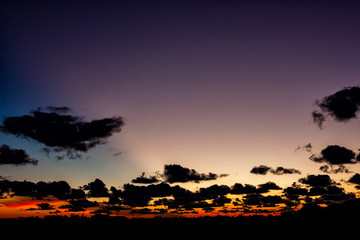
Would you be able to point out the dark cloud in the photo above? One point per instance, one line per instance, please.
(342, 106)
(97, 189)
(282, 171)
(294, 192)
(60, 131)
(42, 206)
(335, 154)
(176, 173)
(15, 156)
(262, 201)
(79, 205)
(264, 188)
(58, 189)
(332, 169)
(317, 180)
(238, 188)
(213, 191)
(355, 179)
(263, 170)
(146, 180)
(141, 195)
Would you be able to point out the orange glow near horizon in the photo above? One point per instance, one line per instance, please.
(18, 206)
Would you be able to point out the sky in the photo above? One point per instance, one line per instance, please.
(215, 86)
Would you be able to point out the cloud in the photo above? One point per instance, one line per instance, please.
(42, 206)
(79, 205)
(260, 200)
(308, 147)
(60, 131)
(335, 154)
(176, 173)
(355, 179)
(263, 170)
(97, 189)
(281, 171)
(332, 169)
(58, 189)
(318, 118)
(15, 156)
(342, 106)
(146, 180)
(317, 180)
(294, 192)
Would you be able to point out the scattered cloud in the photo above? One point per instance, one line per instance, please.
(317, 180)
(58, 189)
(263, 170)
(59, 131)
(335, 154)
(332, 169)
(176, 173)
(355, 179)
(342, 106)
(97, 189)
(146, 180)
(307, 147)
(15, 156)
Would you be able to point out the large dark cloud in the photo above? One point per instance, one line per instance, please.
(58, 189)
(176, 173)
(15, 156)
(263, 170)
(342, 106)
(60, 131)
(335, 154)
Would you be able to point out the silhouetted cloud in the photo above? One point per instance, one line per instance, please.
(176, 173)
(79, 205)
(317, 180)
(42, 206)
(15, 156)
(97, 189)
(58, 189)
(342, 106)
(146, 180)
(60, 131)
(355, 179)
(335, 154)
(263, 170)
(262, 201)
(282, 171)
(294, 192)
(264, 188)
(332, 169)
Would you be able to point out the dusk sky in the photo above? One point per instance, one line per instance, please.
(215, 86)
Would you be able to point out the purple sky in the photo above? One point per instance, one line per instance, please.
(215, 86)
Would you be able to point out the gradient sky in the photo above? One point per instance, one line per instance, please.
(217, 86)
